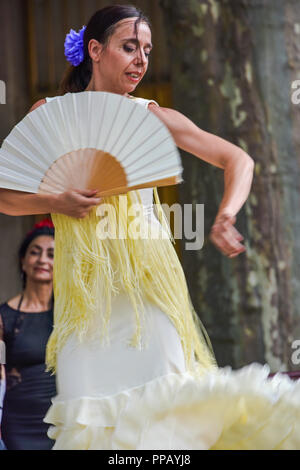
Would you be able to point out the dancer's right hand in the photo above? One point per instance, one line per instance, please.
(226, 237)
(77, 202)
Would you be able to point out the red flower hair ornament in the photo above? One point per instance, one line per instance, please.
(43, 223)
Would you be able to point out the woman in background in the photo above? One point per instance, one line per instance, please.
(27, 321)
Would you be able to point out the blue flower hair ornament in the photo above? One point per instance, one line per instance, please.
(74, 51)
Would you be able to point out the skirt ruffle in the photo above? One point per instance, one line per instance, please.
(225, 409)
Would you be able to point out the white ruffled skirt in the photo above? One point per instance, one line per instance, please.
(117, 397)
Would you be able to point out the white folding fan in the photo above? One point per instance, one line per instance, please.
(89, 140)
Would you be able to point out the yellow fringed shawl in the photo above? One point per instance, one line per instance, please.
(89, 270)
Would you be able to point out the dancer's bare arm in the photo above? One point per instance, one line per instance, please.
(76, 203)
(238, 173)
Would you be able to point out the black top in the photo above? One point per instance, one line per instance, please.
(29, 388)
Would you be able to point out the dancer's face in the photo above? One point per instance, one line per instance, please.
(38, 260)
(123, 54)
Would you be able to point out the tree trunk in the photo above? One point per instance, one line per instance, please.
(233, 64)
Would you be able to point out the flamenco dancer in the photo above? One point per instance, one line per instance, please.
(134, 368)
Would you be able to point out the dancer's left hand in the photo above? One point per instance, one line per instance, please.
(226, 237)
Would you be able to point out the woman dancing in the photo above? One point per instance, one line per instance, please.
(134, 370)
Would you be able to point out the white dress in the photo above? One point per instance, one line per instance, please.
(118, 397)
(125, 367)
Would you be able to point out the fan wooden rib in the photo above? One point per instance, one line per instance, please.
(84, 169)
